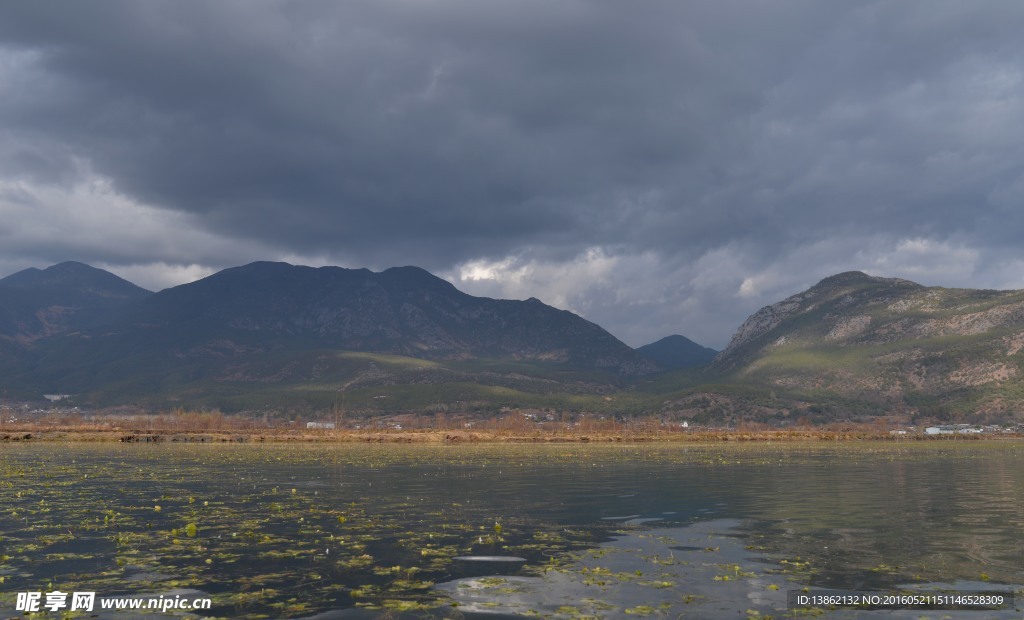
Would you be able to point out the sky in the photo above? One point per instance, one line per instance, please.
(658, 167)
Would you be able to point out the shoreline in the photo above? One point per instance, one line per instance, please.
(434, 436)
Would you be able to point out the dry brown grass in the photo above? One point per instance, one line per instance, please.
(182, 426)
(195, 426)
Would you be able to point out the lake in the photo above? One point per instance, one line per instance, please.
(498, 531)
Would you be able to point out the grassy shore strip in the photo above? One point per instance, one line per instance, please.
(36, 433)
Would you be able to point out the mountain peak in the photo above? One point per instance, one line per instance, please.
(857, 278)
(844, 278)
(71, 266)
(260, 266)
(842, 291)
(870, 343)
(677, 352)
(66, 297)
(72, 275)
(31, 274)
(409, 270)
(412, 275)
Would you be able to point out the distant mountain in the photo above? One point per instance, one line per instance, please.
(67, 297)
(403, 311)
(870, 345)
(290, 332)
(677, 352)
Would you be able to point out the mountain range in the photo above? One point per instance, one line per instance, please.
(278, 337)
(302, 332)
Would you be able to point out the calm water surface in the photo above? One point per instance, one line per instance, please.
(342, 531)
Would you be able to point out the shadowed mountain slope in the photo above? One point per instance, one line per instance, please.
(677, 352)
(290, 334)
(403, 311)
(66, 297)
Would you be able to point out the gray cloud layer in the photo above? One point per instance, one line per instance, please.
(658, 167)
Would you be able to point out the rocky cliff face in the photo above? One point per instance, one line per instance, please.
(840, 291)
(889, 342)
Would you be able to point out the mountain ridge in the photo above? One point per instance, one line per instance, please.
(865, 343)
(403, 310)
(852, 346)
(66, 297)
(73, 274)
(274, 324)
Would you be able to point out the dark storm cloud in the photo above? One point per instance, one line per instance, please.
(747, 140)
(456, 128)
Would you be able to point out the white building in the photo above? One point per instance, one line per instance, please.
(319, 424)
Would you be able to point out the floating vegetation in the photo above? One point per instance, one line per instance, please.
(292, 531)
(254, 527)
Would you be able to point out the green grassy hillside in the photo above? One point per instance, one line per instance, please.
(854, 344)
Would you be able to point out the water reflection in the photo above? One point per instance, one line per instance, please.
(295, 531)
(872, 519)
